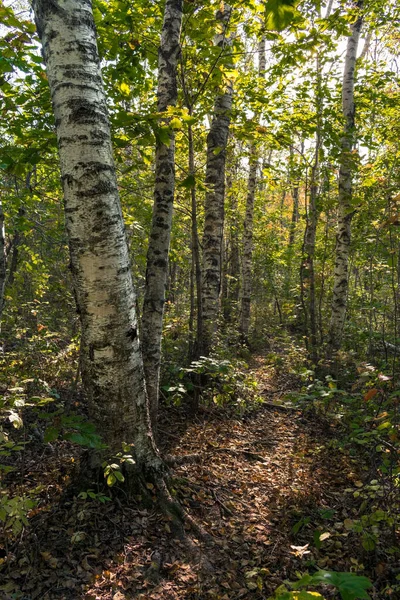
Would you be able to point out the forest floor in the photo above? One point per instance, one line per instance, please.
(269, 487)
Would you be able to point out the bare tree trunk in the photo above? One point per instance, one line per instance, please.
(112, 366)
(247, 261)
(159, 239)
(195, 250)
(214, 206)
(8, 257)
(3, 260)
(295, 194)
(345, 211)
(247, 258)
(232, 256)
(307, 267)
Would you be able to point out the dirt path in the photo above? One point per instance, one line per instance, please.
(263, 485)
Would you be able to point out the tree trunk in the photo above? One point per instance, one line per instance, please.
(3, 260)
(307, 267)
(159, 239)
(232, 256)
(345, 212)
(112, 366)
(8, 257)
(294, 180)
(247, 258)
(196, 263)
(217, 140)
(247, 261)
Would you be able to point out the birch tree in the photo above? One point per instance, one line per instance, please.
(245, 300)
(159, 239)
(214, 202)
(345, 210)
(112, 368)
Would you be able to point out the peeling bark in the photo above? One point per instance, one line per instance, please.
(112, 368)
(345, 211)
(160, 234)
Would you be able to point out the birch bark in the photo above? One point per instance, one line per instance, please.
(345, 212)
(160, 234)
(214, 205)
(112, 368)
(247, 260)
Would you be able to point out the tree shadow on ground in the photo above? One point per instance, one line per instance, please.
(256, 478)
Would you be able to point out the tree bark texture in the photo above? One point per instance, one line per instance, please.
(345, 212)
(112, 368)
(217, 140)
(247, 259)
(160, 234)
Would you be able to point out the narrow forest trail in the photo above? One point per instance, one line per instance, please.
(260, 477)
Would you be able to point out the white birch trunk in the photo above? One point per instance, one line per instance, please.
(345, 212)
(214, 208)
(247, 260)
(112, 365)
(159, 239)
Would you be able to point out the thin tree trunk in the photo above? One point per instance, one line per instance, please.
(159, 239)
(345, 211)
(308, 271)
(247, 258)
(214, 206)
(195, 249)
(3, 260)
(112, 366)
(247, 261)
(295, 194)
(233, 266)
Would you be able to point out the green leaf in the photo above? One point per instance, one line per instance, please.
(111, 479)
(350, 586)
(189, 182)
(368, 542)
(119, 476)
(279, 14)
(51, 434)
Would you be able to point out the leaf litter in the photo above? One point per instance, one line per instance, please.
(267, 487)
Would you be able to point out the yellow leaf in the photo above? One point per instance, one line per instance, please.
(176, 123)
(125, 89)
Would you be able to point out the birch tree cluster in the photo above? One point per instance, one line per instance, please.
(181, 180)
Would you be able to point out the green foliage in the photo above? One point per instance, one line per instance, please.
(14, 512)
(227, 383)
(73, 428)
(349, 585)
(279, 14)
(96, 496)
(113, 471)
